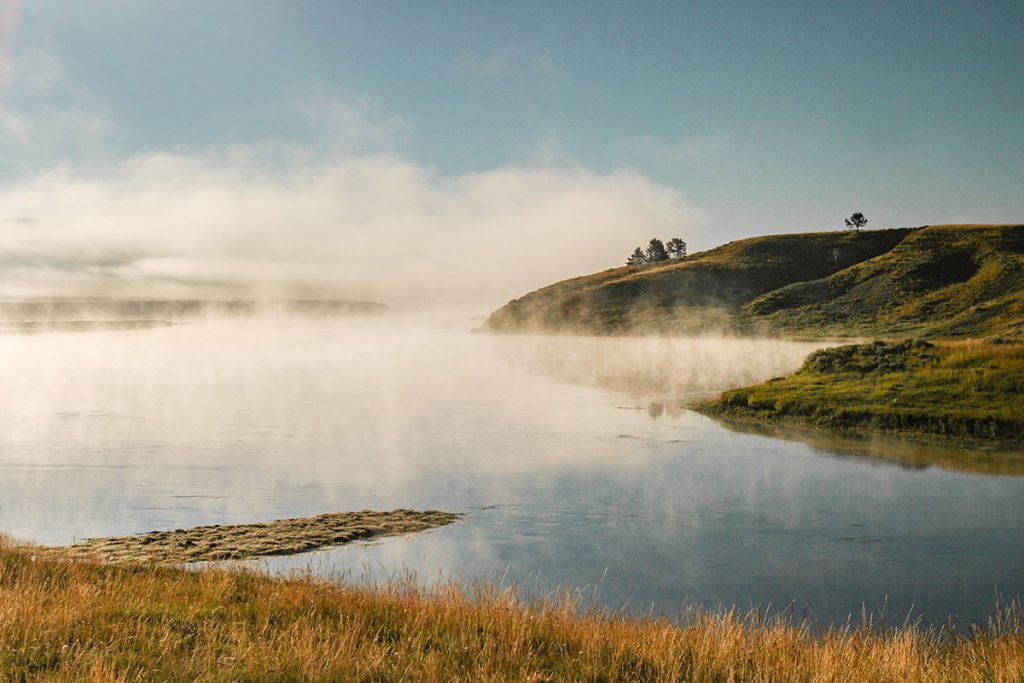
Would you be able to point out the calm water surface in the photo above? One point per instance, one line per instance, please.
(570, 457)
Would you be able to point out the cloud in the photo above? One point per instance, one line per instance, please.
(510, 61)
(691, 149)
(9, 22)
(354, 125)
(350, 215)
(44, 117)
(372, 227)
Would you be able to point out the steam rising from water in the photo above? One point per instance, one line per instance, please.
(335, 213)
(252, 419)
(669, 368)
(367, 228)
(250, 408)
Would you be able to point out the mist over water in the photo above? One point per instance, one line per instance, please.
(572, 457)
(245, 224)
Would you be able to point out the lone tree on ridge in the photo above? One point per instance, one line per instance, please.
(856, 221)
(676, 247)
(637, 258)
(656, 251)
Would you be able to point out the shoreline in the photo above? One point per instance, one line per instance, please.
(88, 620)
(963, 393)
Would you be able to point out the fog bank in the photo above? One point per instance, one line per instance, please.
(373, 228)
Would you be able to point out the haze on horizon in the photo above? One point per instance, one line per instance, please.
(459, 156)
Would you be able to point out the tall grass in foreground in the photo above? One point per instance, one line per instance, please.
(83, 621)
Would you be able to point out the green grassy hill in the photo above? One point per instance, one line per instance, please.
(936, 281)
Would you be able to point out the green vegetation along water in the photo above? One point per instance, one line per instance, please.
(961, 390)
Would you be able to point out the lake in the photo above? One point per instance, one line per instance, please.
(571, 458)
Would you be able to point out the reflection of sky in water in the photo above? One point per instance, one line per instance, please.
(120, 432)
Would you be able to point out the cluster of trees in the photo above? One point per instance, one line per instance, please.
(657, 251)
(676, 248)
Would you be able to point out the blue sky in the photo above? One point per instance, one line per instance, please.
(758, 117)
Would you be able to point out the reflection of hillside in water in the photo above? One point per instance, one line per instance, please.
(910, 453)
(660, 374)
(662, 367)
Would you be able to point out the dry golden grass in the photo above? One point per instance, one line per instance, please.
(64, 620)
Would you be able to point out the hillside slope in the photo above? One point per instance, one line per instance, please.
(939, 281)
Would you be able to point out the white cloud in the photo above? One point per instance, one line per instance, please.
(9, 21)
(355, 125)
(346, 217)
(378, 227)
(44, 117)
(686, 149)
(508, 61)
(550, 151)
(39, 72)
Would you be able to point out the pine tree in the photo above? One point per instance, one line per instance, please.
(676, 247)
(656, 251)
(856, 221)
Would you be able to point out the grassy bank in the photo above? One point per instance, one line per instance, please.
(82, 621)
(971, 389)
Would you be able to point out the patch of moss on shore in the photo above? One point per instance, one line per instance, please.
(242, 541)
(965, 390)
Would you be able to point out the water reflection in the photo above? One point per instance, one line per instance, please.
(722, 519)
(572, 458)
(912, 453)
(660, 367)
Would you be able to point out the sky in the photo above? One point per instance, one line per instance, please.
(479, 149)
